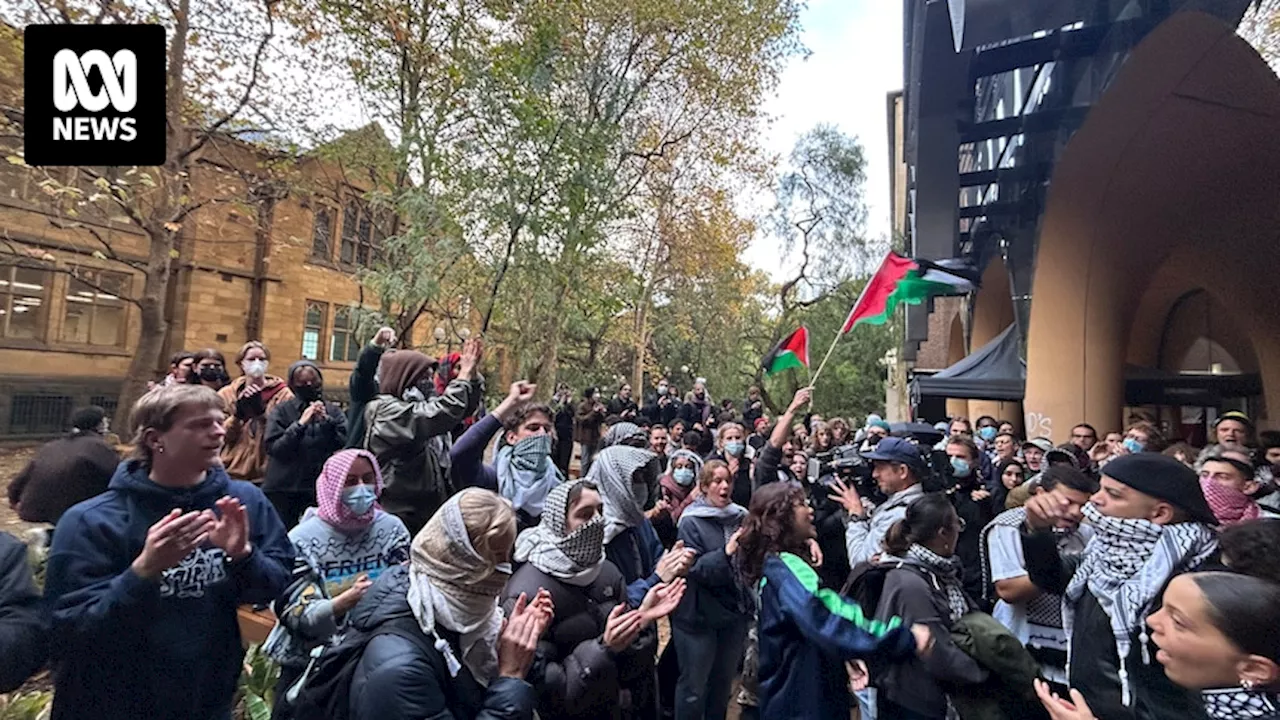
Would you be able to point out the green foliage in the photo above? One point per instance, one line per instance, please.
(26, 706)
(255, 692)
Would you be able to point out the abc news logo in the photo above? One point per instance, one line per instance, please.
(94, 94)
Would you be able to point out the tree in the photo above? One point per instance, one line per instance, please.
(1261, 28)
(217, 86)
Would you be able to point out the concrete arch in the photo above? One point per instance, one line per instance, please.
(992, 313)
(1168, 186)
(956, 407)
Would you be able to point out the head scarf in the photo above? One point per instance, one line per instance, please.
(574, 557)
(329, 486)
(526, 474)
(452, 585)
(400, 370)
(613, 472)
(621, 432)
(1125, 567)
(1228, 504)
(686, 455)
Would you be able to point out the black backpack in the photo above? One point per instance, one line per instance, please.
(326, 690)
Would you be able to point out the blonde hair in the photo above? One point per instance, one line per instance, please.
(491, 523)
(157, 409)
(708, 473)
(244, 350)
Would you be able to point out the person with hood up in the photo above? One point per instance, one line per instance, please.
(470, 658)
(710, 626)
(343, 545)
(597, 649)
(924, 584)
(407, 428)
(143, 581)
(625, 433)
(1151, 523)
(678, 484)
(248, 402)
(362, 386)
(806, 632)
(627, 477)
(522, 471)
(302, 432)
(66, 471)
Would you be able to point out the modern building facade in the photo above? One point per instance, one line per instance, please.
(1111, 166)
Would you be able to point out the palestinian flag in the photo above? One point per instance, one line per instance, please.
(792, 352)
(904, 281)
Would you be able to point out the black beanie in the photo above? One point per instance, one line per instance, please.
(1165, 478)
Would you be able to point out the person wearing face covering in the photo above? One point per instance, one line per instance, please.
(249, 400)
(407, 428)
(442, 647)
(623, 475)
(343, 545)
(522, 471)
(597, 650)
(302, 432)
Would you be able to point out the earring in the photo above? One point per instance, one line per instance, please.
(1247, 684)
(160, 449)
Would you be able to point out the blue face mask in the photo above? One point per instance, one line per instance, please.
(987, 433)
(359, 499)
(734, 447)
(960, 467)
(1133, 446)
(683, 476)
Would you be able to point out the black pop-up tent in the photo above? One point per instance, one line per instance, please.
(995, 371)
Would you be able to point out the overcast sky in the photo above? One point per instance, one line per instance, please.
(855, 60)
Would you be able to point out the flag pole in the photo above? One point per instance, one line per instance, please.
(856, 303)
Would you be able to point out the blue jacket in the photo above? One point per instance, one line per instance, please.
(468, 468)
(636, 552)
(715, 597)
(806, 635)
(399, 679)
(126, 647)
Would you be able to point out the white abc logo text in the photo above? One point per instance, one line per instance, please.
(119, 80)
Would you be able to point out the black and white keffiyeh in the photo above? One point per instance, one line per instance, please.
(947, 571)
(1046, 608)
(1125, 567)
(574, 557)
(614, 472)
(1239, 704)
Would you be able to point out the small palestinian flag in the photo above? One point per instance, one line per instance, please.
(903, 281)
(792, 352)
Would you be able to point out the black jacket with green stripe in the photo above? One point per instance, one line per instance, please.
(806, 634)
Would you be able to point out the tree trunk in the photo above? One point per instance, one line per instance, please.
(642, 340)
(151, 331)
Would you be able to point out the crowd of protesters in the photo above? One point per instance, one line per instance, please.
(427, 557)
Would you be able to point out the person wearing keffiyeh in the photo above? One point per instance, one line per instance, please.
(596, 658)
(1151, 523)
(924, 584)
(1229, 486)
(343, 545)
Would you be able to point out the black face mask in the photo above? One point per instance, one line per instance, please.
(210, 373)
(308, 393)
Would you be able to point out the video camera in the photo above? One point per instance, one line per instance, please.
(846, 464)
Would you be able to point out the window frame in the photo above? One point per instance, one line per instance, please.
(351, 344)
(8, 274)
(93, 276)
(361, 232)
(331, 214)
(320, 329)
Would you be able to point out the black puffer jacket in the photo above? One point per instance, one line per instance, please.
(1095, 663)
(577, 677)
(398, 679)
(297, 451)
(715, 597)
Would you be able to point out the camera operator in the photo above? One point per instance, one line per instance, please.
(897, 470)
